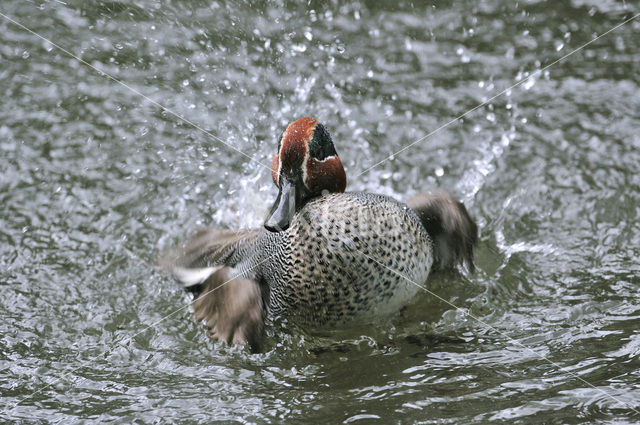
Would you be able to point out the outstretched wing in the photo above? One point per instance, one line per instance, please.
(232, 308)
(207, 248)
(452, 230)
(229, 304)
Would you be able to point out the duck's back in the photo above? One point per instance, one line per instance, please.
(346, 256)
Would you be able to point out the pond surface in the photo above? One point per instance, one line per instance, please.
(96, 180)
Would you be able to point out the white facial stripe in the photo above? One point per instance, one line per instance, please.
(279, 168)
(305, 163)
(327, 158)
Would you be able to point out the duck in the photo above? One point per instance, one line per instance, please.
(324, 258)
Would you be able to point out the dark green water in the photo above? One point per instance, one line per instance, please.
(95, 181)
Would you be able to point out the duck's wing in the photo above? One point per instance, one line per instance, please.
(231, 306)
(208, 248)
(452, 230)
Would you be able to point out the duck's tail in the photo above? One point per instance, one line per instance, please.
(452, 230)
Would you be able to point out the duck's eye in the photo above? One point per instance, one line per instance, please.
(321, 145)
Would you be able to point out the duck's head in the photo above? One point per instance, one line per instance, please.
(305, 166)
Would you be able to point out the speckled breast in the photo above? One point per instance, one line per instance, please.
(346, 257)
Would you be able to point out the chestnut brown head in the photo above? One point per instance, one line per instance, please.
(306, 166)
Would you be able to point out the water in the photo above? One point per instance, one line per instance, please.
(95, 181)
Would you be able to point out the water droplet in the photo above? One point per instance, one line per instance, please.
(407, 44)
(529, 83)
(510, 53)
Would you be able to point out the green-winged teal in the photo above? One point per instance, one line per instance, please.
(324, 257)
